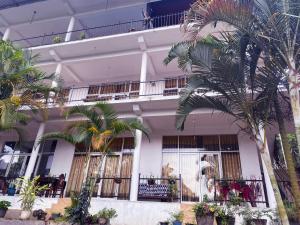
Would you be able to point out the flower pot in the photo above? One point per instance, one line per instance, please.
(177, 222)
(225, 221)
(164, 223)
(151, 181)
(2, 212)
(103, 221)
(256, 222)
(25, 214)
(205, 220)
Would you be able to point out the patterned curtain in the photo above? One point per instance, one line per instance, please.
(231, 165)
(110, 171)
(126, 167)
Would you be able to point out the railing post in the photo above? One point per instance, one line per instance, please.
(265, 190)
(70, 29)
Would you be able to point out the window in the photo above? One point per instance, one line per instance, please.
(199, 159)
(117, 164)
(14, 159)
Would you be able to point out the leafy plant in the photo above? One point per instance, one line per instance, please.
(203, 209)
(224, 213)
(256, 214)
(57, 39)
(107, 213)
(78, 211)
(291, 211)
(4, 205)
(82, 36)
(28, 191)
(177, 216)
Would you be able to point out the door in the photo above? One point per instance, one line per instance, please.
(209, 168)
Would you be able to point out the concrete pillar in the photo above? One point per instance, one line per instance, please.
(35, 151)
(136, 165)
(6, 34)
(57, 75)
(70, 29)
(143, 75)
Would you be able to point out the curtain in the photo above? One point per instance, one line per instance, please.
(231, 165)
(211, 143)
(170, 142)
(229, 143)
(126, 168)
(76, 175)
(110, 171)
(190, 176)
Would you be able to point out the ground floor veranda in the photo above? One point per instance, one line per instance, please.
(138, 177)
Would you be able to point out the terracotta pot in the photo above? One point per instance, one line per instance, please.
(229, 220)
(256, 222)
(25, 215)
(2, 212)
(205, 220)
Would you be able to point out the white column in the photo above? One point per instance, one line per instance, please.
(57, 75)
(70, 29)
(6, 34)
(35, 151)
(136, 165)
(143, 75)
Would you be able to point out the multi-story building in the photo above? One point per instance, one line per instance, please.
(113, 50)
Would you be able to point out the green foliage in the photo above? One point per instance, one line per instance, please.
(251, 213)
(177, 216)
(203, 209)
(78, 211)
(4, 204)
(56, 39)
(107, 213)
(28, 191)
(20, 81)
(291, 211)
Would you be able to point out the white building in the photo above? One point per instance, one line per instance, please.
(105, 50)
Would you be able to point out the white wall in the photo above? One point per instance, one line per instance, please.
(62, 160)
(151, 156)
(249, 157)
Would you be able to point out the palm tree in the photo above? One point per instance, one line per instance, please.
(20, 83)
(97, 131)
(231, 86)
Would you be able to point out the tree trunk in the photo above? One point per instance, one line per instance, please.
(295, 100)
(264, 152)
(288, 157)
(87, 165)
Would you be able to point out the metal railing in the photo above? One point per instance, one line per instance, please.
(118, 91)
(113, 187)
(99, 31)
(4, 4)
(252, 191)
(159, 189)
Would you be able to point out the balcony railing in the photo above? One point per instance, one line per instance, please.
(159, 189)
(125, 90)
(100, 31)
(252, 191)
(113, 187)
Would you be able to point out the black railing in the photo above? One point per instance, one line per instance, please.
(99, 31)
(252, 191)
(113, 187)
(159, 189)
(285, 189)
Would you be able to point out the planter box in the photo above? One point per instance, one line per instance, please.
(230, 221)
(256, 222)
(205, 220)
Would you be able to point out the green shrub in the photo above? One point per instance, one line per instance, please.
(4, 204)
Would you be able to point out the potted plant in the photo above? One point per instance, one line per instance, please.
(105, 215)
(173, 189)
(3, 207)
(151, 180)
(39, 214)
(56, 39)
(82, 36)
(256, 216)
(224, 216)
(28, 193)
(177, 218)
(204, 213)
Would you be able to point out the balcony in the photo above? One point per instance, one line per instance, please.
(101, 31)
(122, 91)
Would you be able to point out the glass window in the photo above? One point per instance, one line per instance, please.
(4, 163)
(48, 146)
(45, 165)
(23, 147)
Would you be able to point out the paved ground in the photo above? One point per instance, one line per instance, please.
(20, 222)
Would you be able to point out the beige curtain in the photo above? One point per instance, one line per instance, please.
(110, 171)
(231, 165)
(76, 175)
(126, 168)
